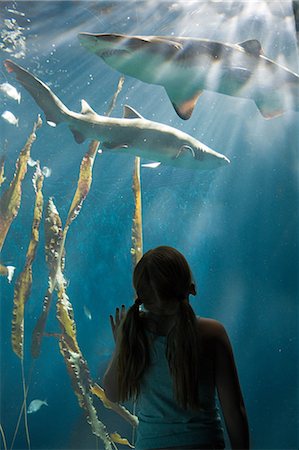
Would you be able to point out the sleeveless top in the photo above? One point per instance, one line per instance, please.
(162, 422)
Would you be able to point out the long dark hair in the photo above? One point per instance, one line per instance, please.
(161, 273)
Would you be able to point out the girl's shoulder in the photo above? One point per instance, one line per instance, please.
(210, 329)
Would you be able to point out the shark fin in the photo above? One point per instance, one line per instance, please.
(252, 46)
(79, 138)
(152, 165)
(130, 113)
(85, 108)
(55, 111)
(114, 145)
(269, 113)
(185, 108)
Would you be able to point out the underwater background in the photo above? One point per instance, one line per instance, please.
(237, 225)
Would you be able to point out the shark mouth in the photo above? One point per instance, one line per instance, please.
(112, 52)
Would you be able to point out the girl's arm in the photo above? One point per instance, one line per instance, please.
(229, 391)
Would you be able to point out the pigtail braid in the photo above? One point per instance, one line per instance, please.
(134, 355)
(182, 353)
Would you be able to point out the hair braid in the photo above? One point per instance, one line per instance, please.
(133, 356)
(182, 353)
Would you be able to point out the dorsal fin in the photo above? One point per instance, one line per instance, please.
(130, 113)
(85, 108)
(252, 46)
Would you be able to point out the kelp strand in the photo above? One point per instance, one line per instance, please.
(24, 405)
(3, 437)
(55, 237)
(23, 284)
(114, 98)
(53, 243)
(11, 199)
(120, 440)
(77, 366)
(84, 183)
(116, 407)
(137, 242)
(2, 177)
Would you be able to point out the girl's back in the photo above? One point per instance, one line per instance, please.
(162, 422)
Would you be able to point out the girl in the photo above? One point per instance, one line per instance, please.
(173, 363)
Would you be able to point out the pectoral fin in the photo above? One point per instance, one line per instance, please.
(152, 165)
(114, 145)
(79, 138)
(252, 46)
(268, 112)
(184, 108)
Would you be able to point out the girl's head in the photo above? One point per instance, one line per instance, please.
(162, 279)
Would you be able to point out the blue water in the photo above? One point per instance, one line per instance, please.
(237, 226)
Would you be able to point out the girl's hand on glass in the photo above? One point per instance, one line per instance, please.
(116, 320)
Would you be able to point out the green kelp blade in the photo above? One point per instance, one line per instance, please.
(84, 182)
(23, 284)
(137, 241)
(116, 437)
(40, 326)
(116, 407)
(2, 177)
(65, 316)
(54, 246)
(77, 366)
(55, 237)
(85, 175)
(11, 199)
(54, 243)
(116, 94)
(21, 294)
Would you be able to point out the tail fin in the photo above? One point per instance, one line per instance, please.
(53, 108)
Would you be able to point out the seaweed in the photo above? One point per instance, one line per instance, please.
(10, 201)
(116, 407)
(137, 241)
(54, 251)
(55, 236)
(77, 366)
(23, 284)
(2, 177)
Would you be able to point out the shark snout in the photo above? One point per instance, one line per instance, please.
(223, 160)
(99, 42)
(88, 40)
(212, 159)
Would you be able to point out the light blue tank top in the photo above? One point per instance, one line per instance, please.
(162, 422)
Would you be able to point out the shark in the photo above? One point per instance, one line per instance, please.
(187, 66)
(131, 134)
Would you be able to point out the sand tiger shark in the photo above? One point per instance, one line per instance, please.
(131, 134)
(187, 66)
